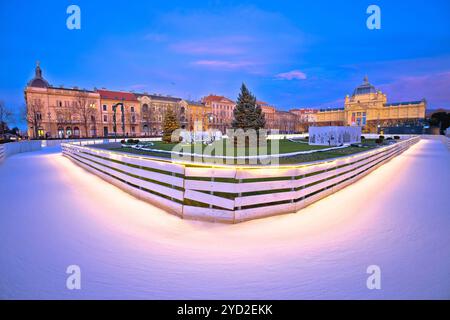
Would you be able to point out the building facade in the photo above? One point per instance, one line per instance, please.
(153, 108)
(368, 107)
(222, 111)
(269, 114)
(198, 115)
(285, 121)
(126, 118)
(58, 112)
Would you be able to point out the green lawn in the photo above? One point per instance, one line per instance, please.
(285, 146)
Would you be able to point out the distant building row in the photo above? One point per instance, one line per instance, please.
(58, 112)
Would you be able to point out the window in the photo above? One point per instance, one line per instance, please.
(93, 118)
(38, 116)
(105, 118)
(105, 107)
(133, 119)
(132, 109)
(145, 108)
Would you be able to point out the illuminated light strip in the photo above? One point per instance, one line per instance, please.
(278, 155)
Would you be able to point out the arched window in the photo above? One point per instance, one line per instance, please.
(68, 132)
(145, 107)
(61, 133)
(76, 132)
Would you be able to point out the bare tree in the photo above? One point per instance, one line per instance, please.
(86, 109)
(5, 116)
(63, 118)
(33, 114)
(146, 117)
(128, 118)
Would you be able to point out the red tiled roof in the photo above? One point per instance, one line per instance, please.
(214, 98)
(117, 95)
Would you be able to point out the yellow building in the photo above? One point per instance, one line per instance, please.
(367, 107)
(331, 117)
(199, 115)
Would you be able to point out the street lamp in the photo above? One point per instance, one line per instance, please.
(209, 117)
(114, 107)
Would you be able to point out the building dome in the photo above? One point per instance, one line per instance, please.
(364, 88)
(38, 81)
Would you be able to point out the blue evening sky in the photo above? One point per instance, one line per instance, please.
(290, 53)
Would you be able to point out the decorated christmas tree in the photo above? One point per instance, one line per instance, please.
(170, 124)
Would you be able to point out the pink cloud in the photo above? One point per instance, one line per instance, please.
(291, 75)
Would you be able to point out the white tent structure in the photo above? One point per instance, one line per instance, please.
(334, 135)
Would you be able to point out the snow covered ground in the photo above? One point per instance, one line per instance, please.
(54, 214)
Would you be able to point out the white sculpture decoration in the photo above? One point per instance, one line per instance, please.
(206, 137)
(334, 136)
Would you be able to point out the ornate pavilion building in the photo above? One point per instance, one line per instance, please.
(368, 107)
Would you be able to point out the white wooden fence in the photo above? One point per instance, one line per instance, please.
(229, 193)
(58, 142)
(10, 148)
(2, 153)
